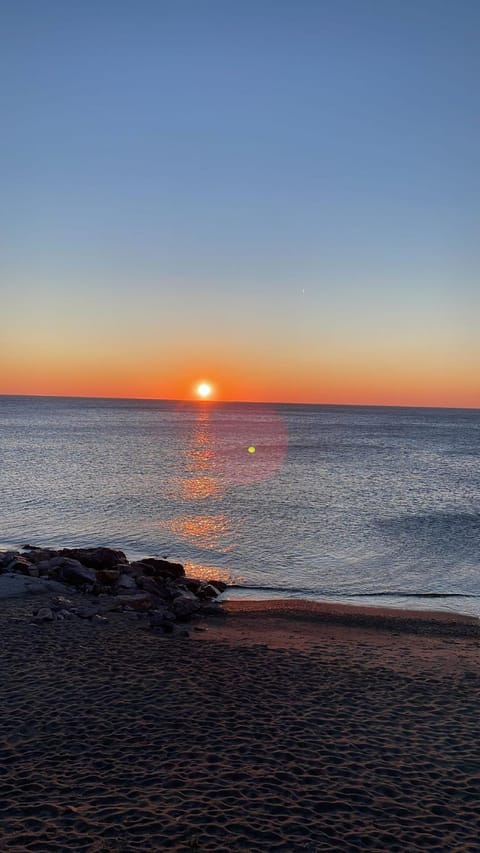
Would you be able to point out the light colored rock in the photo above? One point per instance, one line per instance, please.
(12, 585)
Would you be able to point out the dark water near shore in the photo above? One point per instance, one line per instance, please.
(366, 504)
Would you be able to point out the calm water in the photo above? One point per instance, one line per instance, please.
(376, 505)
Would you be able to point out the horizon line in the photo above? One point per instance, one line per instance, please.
(242, 402)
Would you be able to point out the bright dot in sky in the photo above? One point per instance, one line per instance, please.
(251, 449)
(204, 390)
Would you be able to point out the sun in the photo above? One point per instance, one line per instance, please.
(204, 390)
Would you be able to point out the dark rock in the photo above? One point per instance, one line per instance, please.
(142, 601)
(40, 555)
(126, 582)
(95, 558)
(185, 605)
(7, 557)
(150, 585)
(158, 568)
(192, 584)
(72, 571)
(107, 577)
(135, 568)
(19, 565)
(220, 585)
(207, 591)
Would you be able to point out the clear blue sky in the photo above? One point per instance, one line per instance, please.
(292, 186)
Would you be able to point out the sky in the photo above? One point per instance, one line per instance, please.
(280, 197)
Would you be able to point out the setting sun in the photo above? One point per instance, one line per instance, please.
(204, 390)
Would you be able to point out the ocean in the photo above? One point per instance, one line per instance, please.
(369, 505)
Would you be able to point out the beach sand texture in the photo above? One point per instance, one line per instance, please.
(269, 733)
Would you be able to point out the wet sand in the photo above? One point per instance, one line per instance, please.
(283, 727)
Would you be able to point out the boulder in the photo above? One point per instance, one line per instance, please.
(158, 568)
(126, 582)
(72, 571)
(150, 585)
(193, 584)
(185, 605)
(95, 558)
(141, 601)
(135, 568)
(40, 555)
(108, 577)
(221, 586)
(207, 591)
(7, 557)
(20, 566)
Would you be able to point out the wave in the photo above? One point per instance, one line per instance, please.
(342, 594)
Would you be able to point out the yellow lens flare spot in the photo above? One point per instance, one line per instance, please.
(251, 449)
(204, 390)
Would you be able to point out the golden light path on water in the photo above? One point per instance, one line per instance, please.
(218, 456)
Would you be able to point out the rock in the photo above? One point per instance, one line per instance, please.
(20, 566)
(95, 558)
(150, 585)
(221, 586)
(40, 555)
(72, 571)
(44, 614)
(192, 584)
(142, 601)
(157, 568)
(135, 568)
(64, 614)
(185, 605)
(207, 591)
(107, 577)
(126, 582)
(7, 557)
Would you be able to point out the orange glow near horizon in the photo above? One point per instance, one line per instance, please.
(341, 377)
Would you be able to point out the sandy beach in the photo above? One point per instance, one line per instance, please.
(282, 727)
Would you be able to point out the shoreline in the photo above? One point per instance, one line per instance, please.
(357, 615)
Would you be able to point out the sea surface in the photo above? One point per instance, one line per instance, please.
(370, 505)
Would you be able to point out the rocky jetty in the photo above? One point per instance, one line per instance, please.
(91, 582)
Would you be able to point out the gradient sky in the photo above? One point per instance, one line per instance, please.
(280, 196)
